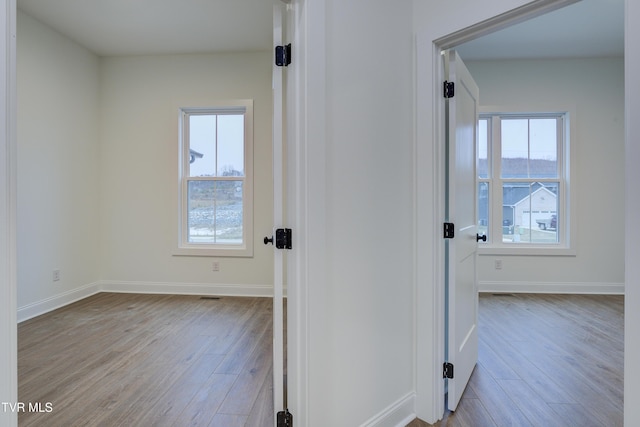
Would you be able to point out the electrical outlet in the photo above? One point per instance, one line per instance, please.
(215, 266)
(56, 275)
(498, 264)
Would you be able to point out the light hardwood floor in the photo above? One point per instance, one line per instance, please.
(159, 360)
(545, 360)
(149, 360)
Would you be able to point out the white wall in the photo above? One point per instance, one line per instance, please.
(361, 320)
(139, 98)
(97, 195)
(594, 90)
(8, 160)
(632, 231)
(58, 177)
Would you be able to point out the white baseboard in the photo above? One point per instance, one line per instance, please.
(186, 288)
(52, 303)
(398, 414)
(552, 287)
(57, 301)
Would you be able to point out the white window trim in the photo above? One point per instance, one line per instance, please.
(568, 202)
(185, 248)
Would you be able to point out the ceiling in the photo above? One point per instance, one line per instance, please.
(144, 27)
(584, 29)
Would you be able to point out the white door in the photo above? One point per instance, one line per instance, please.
(279, 360)
(461, 289)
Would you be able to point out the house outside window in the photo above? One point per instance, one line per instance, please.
(216, 182)
(523, 183)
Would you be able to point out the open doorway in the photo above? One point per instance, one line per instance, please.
(73, 168)
(528, 79)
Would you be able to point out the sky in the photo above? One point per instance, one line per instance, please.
(220, 139)
(536, 137)
(523, 138)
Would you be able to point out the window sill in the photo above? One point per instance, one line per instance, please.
(224, 251)
(526, 251)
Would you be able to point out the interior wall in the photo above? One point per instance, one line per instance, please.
(58, 178)
(632, 231)
(8, 160)
(594, 89)
(361, 319)
(139, 98)
(98, 159)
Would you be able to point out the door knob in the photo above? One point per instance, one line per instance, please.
(479, 237)
(268, 240)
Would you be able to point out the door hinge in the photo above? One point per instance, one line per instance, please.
(447, 371)
(449, 89)
(283, 238)
(285, 419)
(283, 55)
(449, 228)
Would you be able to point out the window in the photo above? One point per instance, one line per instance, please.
(523, 182)
(215, 214)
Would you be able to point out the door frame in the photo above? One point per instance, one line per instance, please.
(278, 146)
(8, 197)
(306, 121)
(430, 196)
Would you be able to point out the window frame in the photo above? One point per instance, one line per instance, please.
(184, 247)
(566, 218)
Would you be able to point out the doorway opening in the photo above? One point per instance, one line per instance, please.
(502, 271)
(158, 208)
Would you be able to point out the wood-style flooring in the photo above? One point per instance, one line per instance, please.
(148, 360)
(545, 360)
(161, 360)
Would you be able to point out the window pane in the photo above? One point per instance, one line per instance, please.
(545, 214)
(231, 145)
(483, 208)
(228, 216)
(512, 195)
(483, 144)
(215, 211)
(202, 145)
(529, 212)
(201, 207)
(543, 157)
(515, 148)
